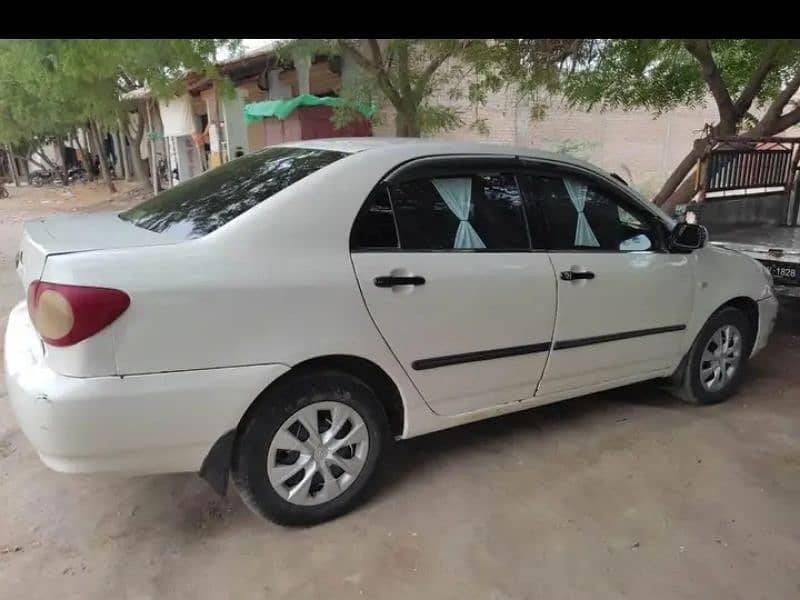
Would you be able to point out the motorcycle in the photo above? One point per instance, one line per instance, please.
(77, 174)
(42, 177)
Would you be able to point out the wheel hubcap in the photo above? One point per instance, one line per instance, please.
(721, 358)
(317, 453)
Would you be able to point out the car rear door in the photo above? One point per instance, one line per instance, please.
(623, 301)
(443, 255)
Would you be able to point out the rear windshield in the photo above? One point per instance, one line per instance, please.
(206, 202)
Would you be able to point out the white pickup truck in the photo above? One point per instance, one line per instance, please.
(775, 246)
(748, 199)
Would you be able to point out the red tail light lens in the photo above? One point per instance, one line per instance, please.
(67, 314)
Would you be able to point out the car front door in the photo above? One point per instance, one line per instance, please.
(443, 257)
(623, 301)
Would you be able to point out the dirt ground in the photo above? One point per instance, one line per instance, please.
(626, 494)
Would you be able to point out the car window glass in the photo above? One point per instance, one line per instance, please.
(374, 227)
(582, 215)
(469, 212)
(204, 203)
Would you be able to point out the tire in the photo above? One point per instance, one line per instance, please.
(37, 182)
(258, 454)
(689, 385)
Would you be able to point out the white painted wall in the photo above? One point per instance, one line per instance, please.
(188, 159)
(235, 130)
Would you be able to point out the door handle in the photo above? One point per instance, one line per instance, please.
(392, 280)
(573, 275)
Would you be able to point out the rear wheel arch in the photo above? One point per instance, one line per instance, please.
(218, 462)
(374, 376)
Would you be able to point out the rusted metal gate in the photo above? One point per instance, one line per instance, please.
(739, 165)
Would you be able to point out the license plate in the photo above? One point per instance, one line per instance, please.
(783, 272)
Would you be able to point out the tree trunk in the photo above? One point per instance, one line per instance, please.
(12, 166)
(102, 135)
(406, 125)
(62, 157)
(119, 142)
(94, 130)
(682, 195)
(665, 197)
(139, 168)
(28, 161)
(153, 164)
(82, 150)
(22, 171)
(91, 151)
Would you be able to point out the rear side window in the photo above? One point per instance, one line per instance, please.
(469, 212)
(209, 201)
(374, 228)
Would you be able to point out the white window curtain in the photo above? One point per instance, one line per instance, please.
(584, 236)
(457, 194)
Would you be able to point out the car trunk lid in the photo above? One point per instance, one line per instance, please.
(78, 233)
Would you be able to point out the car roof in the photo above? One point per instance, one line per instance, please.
(428, 146)
(432, 146)
(410, 148)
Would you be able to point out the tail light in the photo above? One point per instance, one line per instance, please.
(67, 314)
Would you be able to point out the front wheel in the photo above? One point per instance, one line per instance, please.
(309, 451)
(714, 366)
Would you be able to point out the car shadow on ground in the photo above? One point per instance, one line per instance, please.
(548, 421)
(192, 510)
(195, 509)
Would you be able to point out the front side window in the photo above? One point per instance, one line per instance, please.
(582, 215)
(203, 204)
(467, 212)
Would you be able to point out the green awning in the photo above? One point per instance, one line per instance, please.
(283, 108)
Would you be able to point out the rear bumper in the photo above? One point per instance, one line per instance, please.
(156, 423)
(767, 315)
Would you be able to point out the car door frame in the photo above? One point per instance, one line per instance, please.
(453, 165)
(629, 202)
(560, 169)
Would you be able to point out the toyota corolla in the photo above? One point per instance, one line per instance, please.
(283, 317)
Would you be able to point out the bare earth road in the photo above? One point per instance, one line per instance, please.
(627, 494)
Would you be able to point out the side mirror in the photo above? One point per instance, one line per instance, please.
(687, 237)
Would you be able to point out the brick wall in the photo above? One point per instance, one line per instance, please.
(640, 147)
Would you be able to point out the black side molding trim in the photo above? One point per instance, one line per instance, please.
(613, 337)
(457, 359)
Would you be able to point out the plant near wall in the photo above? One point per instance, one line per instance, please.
(575, 148)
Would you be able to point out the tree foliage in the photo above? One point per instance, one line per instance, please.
(51, 87)
(414, 77)
(751, 82)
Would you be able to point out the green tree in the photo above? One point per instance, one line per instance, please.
(751, 82)
(409, 75)
(49, 88)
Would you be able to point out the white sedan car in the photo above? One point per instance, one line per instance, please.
(283, 317)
